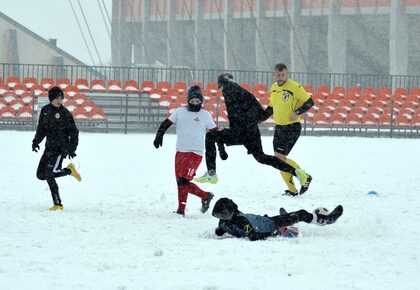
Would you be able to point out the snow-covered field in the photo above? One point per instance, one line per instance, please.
(117, 230)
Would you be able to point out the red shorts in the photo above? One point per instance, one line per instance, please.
(186, 164)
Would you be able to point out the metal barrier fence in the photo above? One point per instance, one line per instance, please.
(135, 113)
(188, 75)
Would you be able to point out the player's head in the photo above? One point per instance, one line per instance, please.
(224, 209)
(56, 95)
(194, 88)
(195, 100)
(280, 73)
(223, 79)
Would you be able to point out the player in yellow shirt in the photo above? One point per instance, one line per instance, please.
(288, 100)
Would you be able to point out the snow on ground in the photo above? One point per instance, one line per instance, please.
(117, 230)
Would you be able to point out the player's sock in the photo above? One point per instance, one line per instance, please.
(288, 177)
(182, 199)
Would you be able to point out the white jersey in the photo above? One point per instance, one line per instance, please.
(191, 128)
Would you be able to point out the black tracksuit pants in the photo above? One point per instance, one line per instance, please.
(49, 169)
(292, 218)
(251, 139)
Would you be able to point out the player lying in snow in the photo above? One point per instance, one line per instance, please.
(256, 227)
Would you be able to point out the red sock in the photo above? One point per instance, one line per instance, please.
(194, 189)
(182, 198)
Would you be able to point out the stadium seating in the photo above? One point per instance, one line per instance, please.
(82, 85)
(114, 86)
(63, 83)
(147, 86)
(12, 82)
(131, 86)
(29, 82)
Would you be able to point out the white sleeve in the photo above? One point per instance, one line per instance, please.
(210, 122)
(174, 116)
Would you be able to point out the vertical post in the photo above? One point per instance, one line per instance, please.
(392, 119)
(226, 23)
(126, 114)
(198, 24)
(398, 39)
(337, 44)
(171, 33)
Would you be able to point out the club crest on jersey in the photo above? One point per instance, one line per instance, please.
(197, 119)
(57, 115)
(285, 96)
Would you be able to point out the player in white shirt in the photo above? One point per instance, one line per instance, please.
(192, 123)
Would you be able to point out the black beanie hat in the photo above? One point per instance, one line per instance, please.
(224, 209)
(194, 94)
(55, 92)
(223, 79)
(194, 88)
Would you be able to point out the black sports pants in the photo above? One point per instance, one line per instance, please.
(251, 139)
(49, 169)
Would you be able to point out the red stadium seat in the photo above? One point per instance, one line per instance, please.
(370, 120)
(401, 92)
(114, 86)
(337, 120)
(261, 88)
(80, 98)
(80, 114)
(155, 94)
(354, 120)
(82, 85)
(403, 120)
(97, 114)
(339, 90)
(9, 97)
(342, 111)
(147, 86)
(409, 112)
(369, 91)
(24, 113)
(2, 104)
(3, 89)
(354, 91)
(385, 119)
(29, 82)
(37, 89)
(323, 90)
(385, 91)
(7, 113)
(98, 86)
(246, 86)
(309, 89)
(71, 105)
(16, 104)
(47, 83)
(12, 82)
(71, 91)
(163, 86)
(131, 86)
(321, 119)
(415, 121)
(19, 89)
(347, 104)
(27, 98)
(63, 83)
(415, 99)
(212, 87)
(88, 106)
(181, 87)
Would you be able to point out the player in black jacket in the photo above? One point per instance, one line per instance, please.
(244, 114)
(257, 227)
(57, 124)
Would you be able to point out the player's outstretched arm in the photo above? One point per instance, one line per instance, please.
(161, 131)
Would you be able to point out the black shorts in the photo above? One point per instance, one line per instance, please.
(285, 137)
(250, 138)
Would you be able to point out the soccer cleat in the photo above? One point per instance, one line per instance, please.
(181, 213)
(56, 207)
(207, 178)
(324, 218)
(205, 204)
(290, 193)
(74, 172)
(282, 211)
(304, 179)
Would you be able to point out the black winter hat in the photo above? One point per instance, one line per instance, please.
(194, 88)
(55, 92)
(195, 94)
(224, 209)
(223, 79)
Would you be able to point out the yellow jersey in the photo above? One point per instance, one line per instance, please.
(286, 99)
